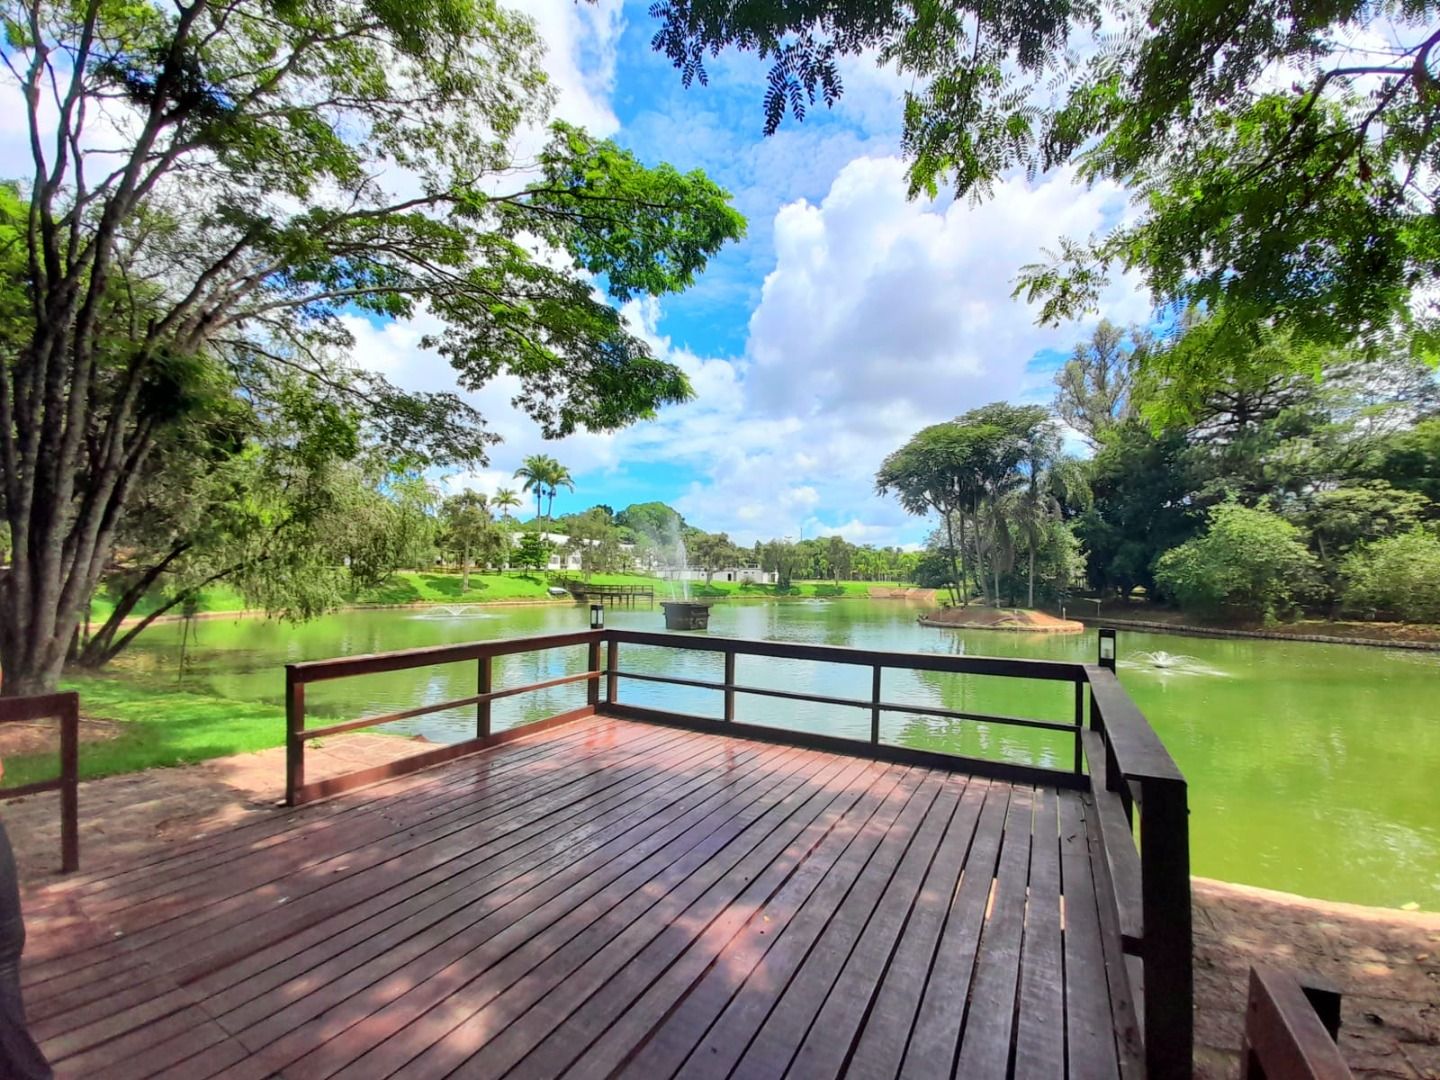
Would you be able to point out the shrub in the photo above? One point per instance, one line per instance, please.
(1398, 576)
(1248, 562)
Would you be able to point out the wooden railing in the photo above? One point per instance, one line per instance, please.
(65, 708)
(1134, 780)
(877, 662)
(483, 653)
(1130, 776)
(1292, 1025)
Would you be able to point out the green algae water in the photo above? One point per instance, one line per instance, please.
(1313, 769)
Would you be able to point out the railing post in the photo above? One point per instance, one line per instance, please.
(592, 686)
(875, 704)
(729, 684)
(1167, 948)
(70, 785)
(1079, 726)
(294, 727)
(484, 684)
(612, 669)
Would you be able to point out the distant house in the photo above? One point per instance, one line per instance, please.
(744, 575)
(562, 555)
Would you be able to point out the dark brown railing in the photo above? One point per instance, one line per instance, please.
(1292, 1025)
(1130, 775)
(65, 708)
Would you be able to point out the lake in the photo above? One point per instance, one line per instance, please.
(1313, 769)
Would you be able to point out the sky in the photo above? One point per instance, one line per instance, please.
(847, 319)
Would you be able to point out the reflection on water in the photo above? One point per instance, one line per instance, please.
(1313, 768)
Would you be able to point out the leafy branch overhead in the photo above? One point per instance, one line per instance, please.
(1283, 157)
(220, 192)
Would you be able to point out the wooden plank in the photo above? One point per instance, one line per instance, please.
(573, 829)
(1088, 1018)
(434, 959)
(812, 809)
(1124, 972)
(787, 955)
(671, 1042)
(1111, 827)
(885, 976)
(1137, 748)
(375, 948)
(1040, 1021)
(990, 1017)
(497, 1037)
(631, 870)
(790, 1021)
(935, 1038)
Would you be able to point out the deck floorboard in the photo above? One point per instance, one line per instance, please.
(609, 898)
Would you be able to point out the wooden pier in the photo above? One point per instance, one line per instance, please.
(618, 891)
(616, 595)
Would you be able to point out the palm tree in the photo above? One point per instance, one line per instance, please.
(559, 477)
(505, 498)
(535, 471)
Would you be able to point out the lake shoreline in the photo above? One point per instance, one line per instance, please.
(1190, 630)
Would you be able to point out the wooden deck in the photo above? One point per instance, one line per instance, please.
(605, 898)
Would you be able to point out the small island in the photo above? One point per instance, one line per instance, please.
(987, 618)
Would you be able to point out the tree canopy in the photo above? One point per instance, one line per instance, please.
(1282, 157)
(217, 190)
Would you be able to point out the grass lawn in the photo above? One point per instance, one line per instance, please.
(157, 724)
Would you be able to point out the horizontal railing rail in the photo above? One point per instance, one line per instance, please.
(66, 709)
(1135, 783)
(483, 653)
(877, 661)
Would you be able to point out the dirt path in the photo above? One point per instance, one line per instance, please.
(1386, 962)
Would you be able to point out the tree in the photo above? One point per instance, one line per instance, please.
(1249, 561)
(1093, 391)
(559, 477)
(711, 552)
(1399, 575)
(534, 471)
(279, 167)
(1411, 460)
(1285, 177)
(533, 553)
(1339, 519)
(467, 528)
(506, 500)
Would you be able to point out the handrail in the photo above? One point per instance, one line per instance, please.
(65, 706)
(1291, 1028)
(1129, 769)
(299, 675)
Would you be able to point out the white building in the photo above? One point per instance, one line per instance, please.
(563, 554)
(745, 575)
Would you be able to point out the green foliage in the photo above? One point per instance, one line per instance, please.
(532, 553)
(1249, 562)
(1305, 208)
(267, 170)
(1397, 576)
(1411, 460)
(1094, 390)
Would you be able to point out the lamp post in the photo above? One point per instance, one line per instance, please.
(1107, 647)
(597, 616)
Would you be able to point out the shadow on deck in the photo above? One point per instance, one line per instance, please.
(604, 896)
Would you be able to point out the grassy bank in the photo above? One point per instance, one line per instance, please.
(411, 587)
(133, 724)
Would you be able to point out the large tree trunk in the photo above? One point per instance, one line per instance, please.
(957, 571)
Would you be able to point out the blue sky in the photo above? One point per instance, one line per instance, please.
(847, 319)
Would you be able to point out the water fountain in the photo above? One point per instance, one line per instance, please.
(454, 611)
(1170, 663)
(683, 614)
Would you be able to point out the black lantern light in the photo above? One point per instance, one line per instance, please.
(1107, 647)
(597, 616)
